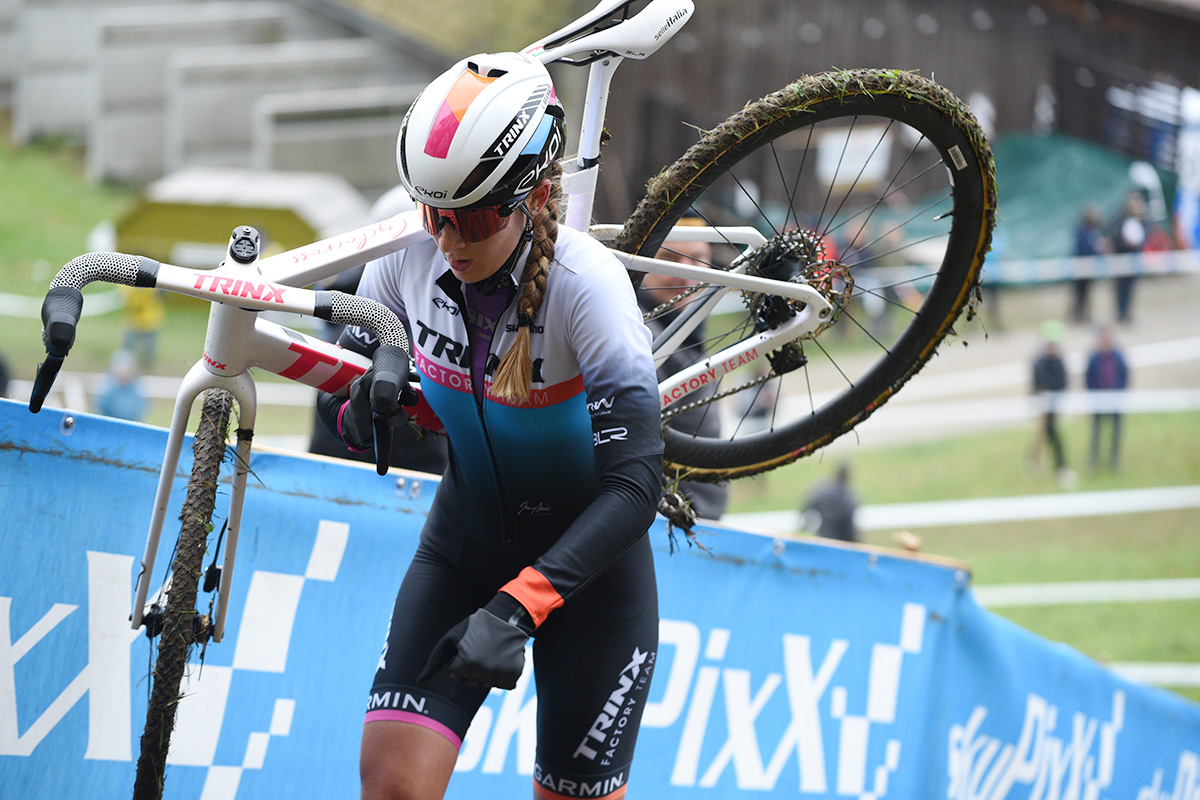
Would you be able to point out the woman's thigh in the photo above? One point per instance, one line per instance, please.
(434, 596)
(593, 659)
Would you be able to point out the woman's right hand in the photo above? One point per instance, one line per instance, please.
(355, 420)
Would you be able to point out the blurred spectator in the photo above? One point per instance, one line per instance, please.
(145, 313)
(4, 376)
(1049, 381)
(708, 500)
(121, 395)
(1107, 375)
(830, 508)
(1130, 233)
(1089, 241)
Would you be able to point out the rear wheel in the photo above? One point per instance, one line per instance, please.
(877, 188)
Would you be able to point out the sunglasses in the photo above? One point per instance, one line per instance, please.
(472, 224)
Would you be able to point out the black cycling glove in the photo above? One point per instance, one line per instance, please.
(485, 649)
(354, 423)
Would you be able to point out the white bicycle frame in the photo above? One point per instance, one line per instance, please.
(638, 37)
(238, 339)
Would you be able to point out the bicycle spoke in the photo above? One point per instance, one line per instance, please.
(847, 315)
(877, 293)
(753, 201)
(857, 178)
(845, 178)
(916, 215)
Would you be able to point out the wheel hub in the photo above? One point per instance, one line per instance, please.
(797, 256)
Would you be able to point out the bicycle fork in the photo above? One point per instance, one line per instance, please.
(225, 365)
(237, 340)
(197, 380)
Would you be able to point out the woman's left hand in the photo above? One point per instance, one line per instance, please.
(482, 650)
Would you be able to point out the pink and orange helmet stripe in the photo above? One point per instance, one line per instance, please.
(464, 91)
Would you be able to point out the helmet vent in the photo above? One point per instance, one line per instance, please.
(493, 73)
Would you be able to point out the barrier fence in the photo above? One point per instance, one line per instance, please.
(790, 668)
(1054, 270)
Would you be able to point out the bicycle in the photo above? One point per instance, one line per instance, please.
(750, 326)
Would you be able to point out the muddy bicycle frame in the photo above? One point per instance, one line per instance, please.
(238, 338)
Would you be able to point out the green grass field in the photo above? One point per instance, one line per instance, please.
(47, 211)
(1159, 451)
(991, 464)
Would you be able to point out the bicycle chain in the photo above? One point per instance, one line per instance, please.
(663, 308)
(666, 415)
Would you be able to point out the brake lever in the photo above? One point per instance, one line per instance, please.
(391, 377)
(46, 373)
(60, 316)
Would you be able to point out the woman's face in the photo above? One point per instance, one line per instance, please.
(474, 261)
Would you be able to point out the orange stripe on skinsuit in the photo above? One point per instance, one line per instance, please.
(542, 792)
(533, 590)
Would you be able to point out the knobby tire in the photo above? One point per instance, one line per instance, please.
(182, 625)
(774, 135)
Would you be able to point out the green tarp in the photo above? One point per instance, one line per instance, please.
(1044, 184)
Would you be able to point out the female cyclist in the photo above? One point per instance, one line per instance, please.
(535, 361)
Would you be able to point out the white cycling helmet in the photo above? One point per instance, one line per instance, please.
(482, 133)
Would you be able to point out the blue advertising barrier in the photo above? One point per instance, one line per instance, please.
(786, 668)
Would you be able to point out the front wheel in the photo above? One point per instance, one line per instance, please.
(876, 187)
(181, 626)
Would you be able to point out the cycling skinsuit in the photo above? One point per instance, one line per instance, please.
(548, 500)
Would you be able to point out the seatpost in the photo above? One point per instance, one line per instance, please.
(579, 182)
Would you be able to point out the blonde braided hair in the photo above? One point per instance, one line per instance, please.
(515, 373)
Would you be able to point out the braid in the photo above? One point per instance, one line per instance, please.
(515, 372)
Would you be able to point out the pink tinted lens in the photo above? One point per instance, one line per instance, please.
(473, 224)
